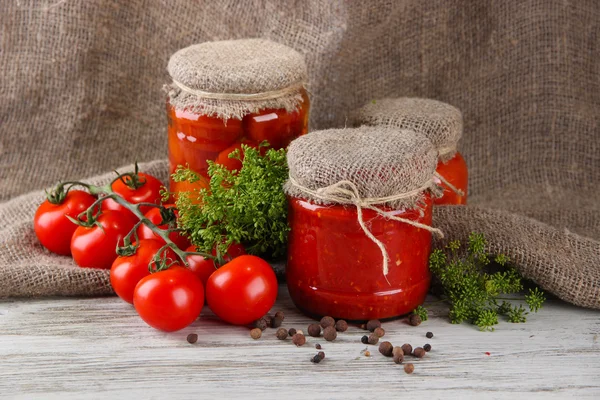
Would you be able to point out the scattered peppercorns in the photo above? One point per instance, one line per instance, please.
(321, 354)
(373, 338)
(427, 347)
(341, 326)
(419, 352)
(429, 335)
(380, 332)
(316, 359)
(292, 332)
(261, 324)
(318, 346)
(386, 348)
(281, 333)
(407, 349)
(398, 358)
(409, 368)
(327, 321)
(373, 324)
(314, 330)
(276, 321)
(279, 314)
(255, 333)
(364, 339)
(414, 320)
(329, 333)
(298, 339)
(268, 319)
(192, 338)
(367, 353)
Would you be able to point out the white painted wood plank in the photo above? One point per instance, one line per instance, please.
(99, 348)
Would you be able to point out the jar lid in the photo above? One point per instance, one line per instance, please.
(232, 78)
(440, 122)
(384, 165)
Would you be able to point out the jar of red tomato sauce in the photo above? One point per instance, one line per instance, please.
(360, 210)
(228, 93)
(440, 122)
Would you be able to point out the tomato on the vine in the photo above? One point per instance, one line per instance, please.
(127, 271)
(243, 290)
(234, 250)
(204, 267)
(169, 300)
(52, 228)
(95, 246)
(154, 215)
(143, 189)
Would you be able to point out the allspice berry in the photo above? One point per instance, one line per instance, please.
(298, 339)
(373, 324)
(419, 352)
(192, 338)
(261, 324)
(414, 320)
(281, 333)
(397, 350)
(255, 333)
(407, 349)
(268, 319)
(279, 314)
(276, 322)
(373, 339)
(314, 330)
(380, 332)
(367, 353)
(398, 358)
(327, 321)
(364, 339)
(427, 347)
(292, 331)
(341, 326)
(386, 348)
(329, 333)
(409, 368)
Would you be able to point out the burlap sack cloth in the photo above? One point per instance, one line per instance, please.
(81, 93)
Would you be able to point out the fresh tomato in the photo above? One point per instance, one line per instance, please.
(52, 227)
(155, 217)
(204, 267)
(234, 250)
(234, 163)
(148, 192)
(95, 247)
(169, 300)
(242, 291)
(127, 271)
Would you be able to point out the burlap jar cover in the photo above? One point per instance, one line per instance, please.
(233, 78)
(366, 167)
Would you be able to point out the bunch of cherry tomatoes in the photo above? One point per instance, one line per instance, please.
(124, 227)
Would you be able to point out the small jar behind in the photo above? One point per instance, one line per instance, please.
(360, 216)
(440, 122)
(228, 93)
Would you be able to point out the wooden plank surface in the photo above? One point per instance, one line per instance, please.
(99, 348)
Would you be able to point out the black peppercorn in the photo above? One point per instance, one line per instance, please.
(427, 347)
(414, 320)
(365, 339)
(316, 359)
(409, 368)
(281, 333)
(261, 324)
(298, 339)
(255, 333)
(314, 330)
(327, 321)
(292, 331)
(372, 324)
(192, 338)
(276, 322)
(321, 354)
(329, 333)
(386, 348)
(380, 332)
(407, 349)
(419, 352)
(373, 338)
(341, 326)
(279, 314)
(398, 358)
(318, 346)
(429, 335)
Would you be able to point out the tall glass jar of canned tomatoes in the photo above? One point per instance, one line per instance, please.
(440, 122)
(228, 93)
(360, 217)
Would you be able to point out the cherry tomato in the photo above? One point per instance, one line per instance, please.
(278, 127)
(127, 271)
(149, 192)
(233, 163)
(52, 228)
(202, 267)
(242, 291)
(234, 250)
(169, 300)
(154, 215)
(94, 247)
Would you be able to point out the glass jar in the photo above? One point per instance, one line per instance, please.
(335, 269)
(456, 173)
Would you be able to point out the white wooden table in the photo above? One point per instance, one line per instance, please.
(99, 348)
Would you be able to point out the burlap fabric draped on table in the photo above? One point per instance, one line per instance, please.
(81, 93)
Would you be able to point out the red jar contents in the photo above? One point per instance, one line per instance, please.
(454, 171)
(335, 269)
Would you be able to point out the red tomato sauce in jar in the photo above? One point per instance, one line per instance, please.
(456, 173)
(335, 269)
(195, 139)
